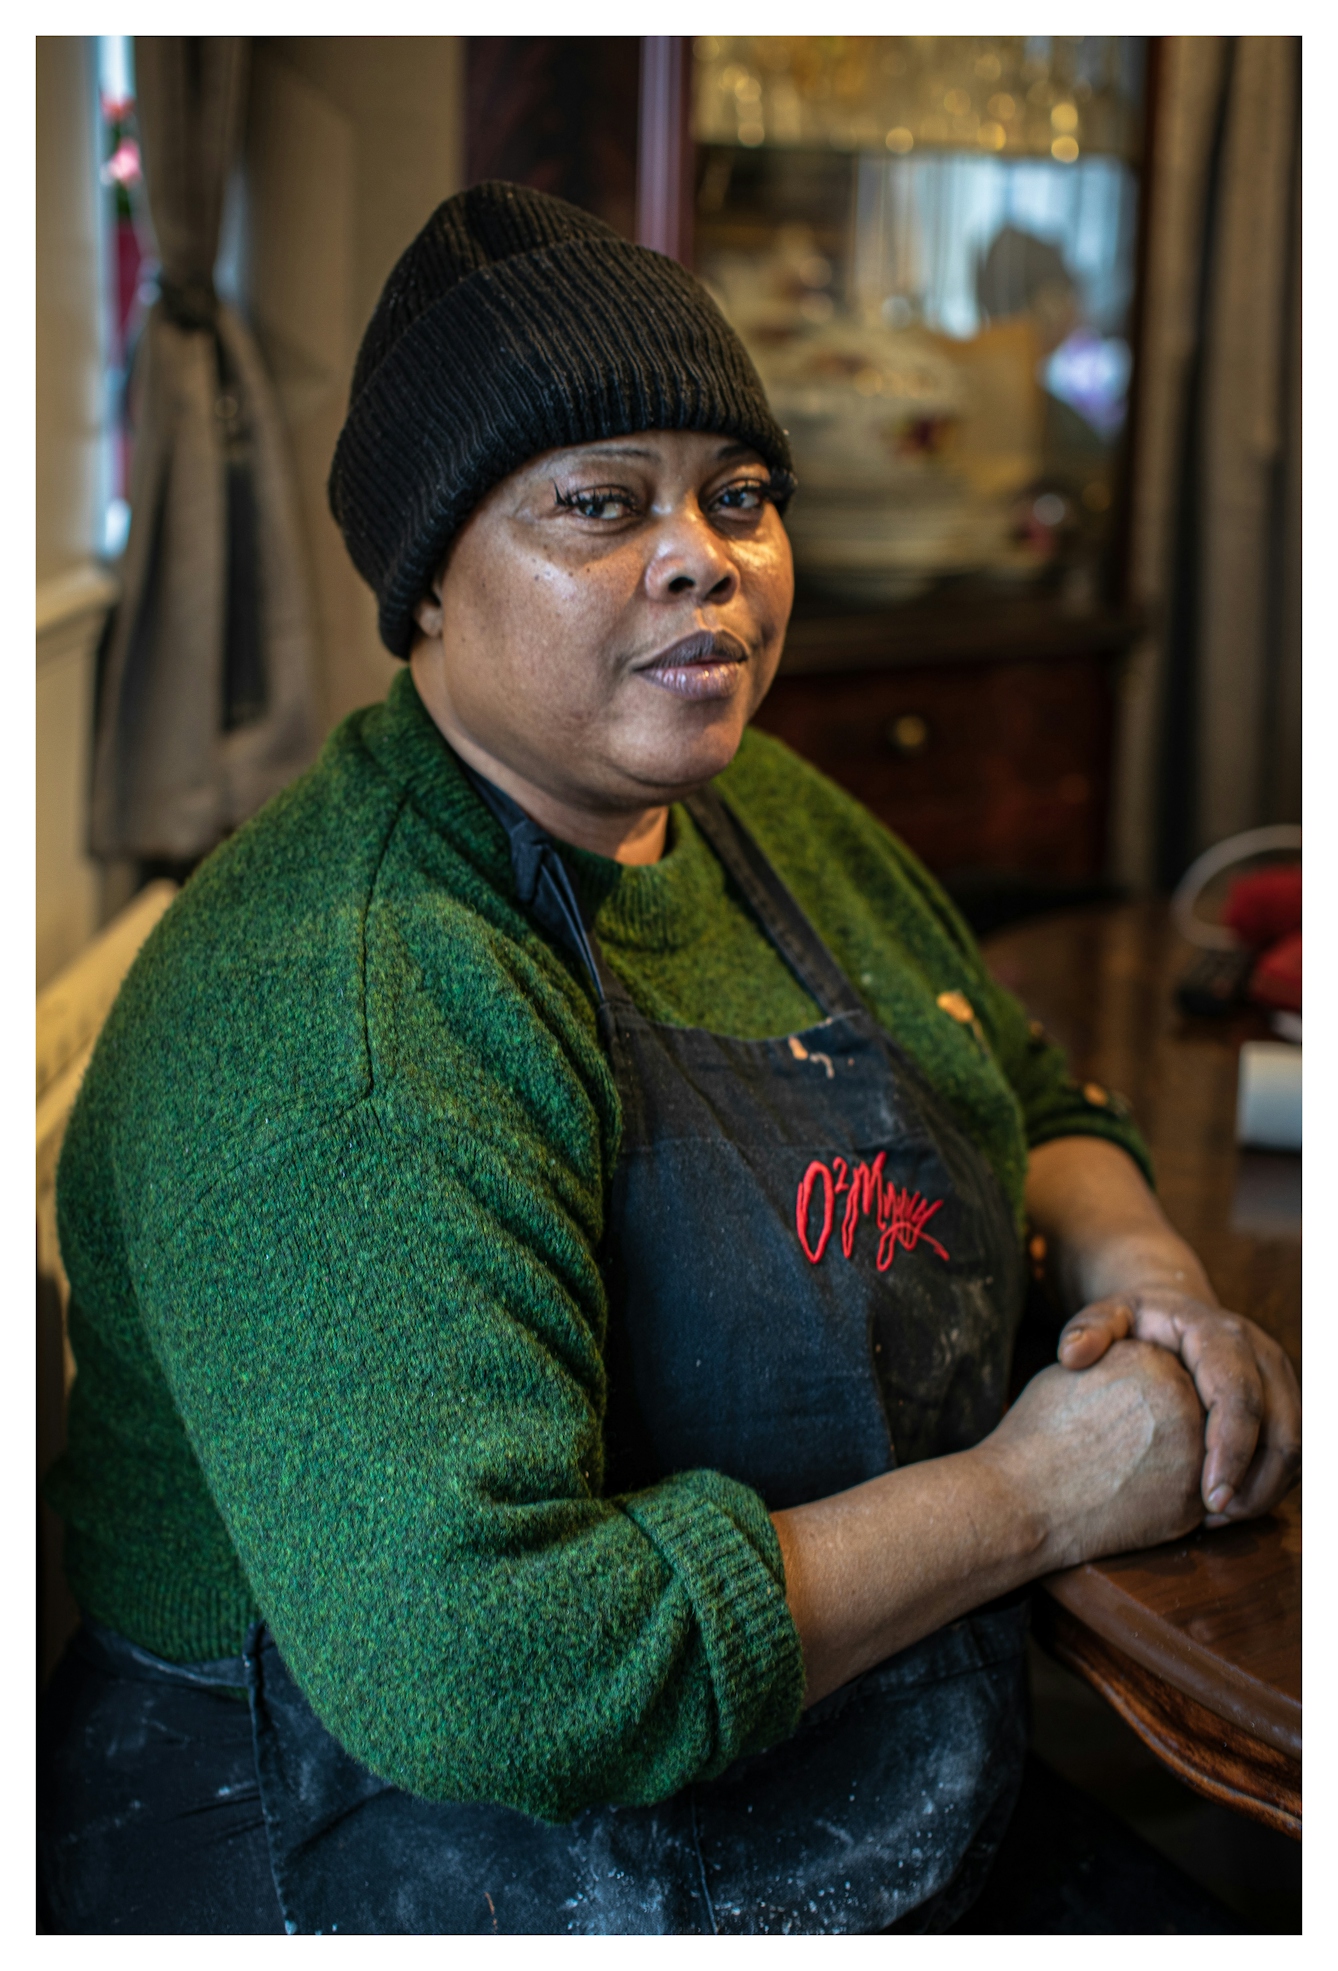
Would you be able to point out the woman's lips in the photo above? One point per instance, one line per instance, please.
(704, 665)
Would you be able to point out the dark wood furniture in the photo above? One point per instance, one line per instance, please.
(1197, 1644)
(666, 154)
(560, 113)
(601, 120)
(977, 726)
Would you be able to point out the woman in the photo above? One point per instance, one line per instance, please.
(543, 1312)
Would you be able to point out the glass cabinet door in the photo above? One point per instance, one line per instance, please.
(928, 244)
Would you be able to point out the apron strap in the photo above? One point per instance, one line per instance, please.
(544, 885)
(777, 909)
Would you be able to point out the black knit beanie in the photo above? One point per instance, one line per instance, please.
(515, 323)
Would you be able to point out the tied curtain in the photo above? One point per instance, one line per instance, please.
(205, 699)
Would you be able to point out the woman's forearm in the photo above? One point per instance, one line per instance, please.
(1105, 1233)
(1082, 1464)
(870, 1571)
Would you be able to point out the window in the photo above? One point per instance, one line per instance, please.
(129, 271)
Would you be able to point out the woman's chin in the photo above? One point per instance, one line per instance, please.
(693, 752)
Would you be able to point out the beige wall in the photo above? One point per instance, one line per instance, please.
(351, 143)
(72, 591)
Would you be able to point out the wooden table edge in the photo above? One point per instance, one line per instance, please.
(1207, 1751)
(1220, 1687)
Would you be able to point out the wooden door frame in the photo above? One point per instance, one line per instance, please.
(665, 159)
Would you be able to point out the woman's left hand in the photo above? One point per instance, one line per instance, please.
(1244, 1380)
(1113, 1257)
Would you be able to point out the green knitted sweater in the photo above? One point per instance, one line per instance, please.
(330, 1204)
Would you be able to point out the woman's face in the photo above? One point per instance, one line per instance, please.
(607, 622)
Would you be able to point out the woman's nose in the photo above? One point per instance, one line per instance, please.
(689, 558)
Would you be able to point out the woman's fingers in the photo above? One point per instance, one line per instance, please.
(1092, 1330)
(1231, 1390)
(1216, 1349)
(1277, 1459)
(1252, 1437)
(1271, 1476)
(1245, 1383)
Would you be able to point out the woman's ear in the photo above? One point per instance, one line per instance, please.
(427, 612)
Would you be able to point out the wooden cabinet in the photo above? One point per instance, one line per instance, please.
(981, 736)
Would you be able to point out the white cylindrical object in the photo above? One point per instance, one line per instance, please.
(1268, 1096)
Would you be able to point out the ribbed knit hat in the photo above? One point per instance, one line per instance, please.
(513, 324)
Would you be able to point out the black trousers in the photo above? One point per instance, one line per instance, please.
(149, 1822)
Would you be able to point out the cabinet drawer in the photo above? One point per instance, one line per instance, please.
(976, 766)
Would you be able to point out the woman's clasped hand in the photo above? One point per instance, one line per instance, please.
(1252, 1441)
(1163, 1411)
(1085, 1463)
(1127, 1273)
(1106, 1458)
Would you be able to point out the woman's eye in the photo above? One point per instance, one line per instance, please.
(744, 496)
(606, 503)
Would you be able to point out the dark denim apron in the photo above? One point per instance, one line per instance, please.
(813, 1276)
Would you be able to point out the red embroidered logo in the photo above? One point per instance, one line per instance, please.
(901, 1216)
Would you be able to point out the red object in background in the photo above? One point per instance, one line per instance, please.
(1264, 907)
(1276, 979)
(123, 166)
(129, 260)
(129, 274)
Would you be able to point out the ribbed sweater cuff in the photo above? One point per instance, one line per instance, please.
(163, 1610)
(716, 1537)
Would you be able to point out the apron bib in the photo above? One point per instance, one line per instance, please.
(813, 1276)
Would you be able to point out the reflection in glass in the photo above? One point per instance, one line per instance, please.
(943, 329)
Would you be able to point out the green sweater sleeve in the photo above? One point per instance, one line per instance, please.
(384, 1338)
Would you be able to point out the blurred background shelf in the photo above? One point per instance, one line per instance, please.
(931, 246)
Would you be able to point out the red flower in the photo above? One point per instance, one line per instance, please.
(122, 167)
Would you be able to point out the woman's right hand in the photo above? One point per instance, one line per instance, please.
(1087, 1462)
(1109, 1457)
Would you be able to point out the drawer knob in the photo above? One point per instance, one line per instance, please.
(907, 734)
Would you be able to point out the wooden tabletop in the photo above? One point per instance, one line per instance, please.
(1197, 1643)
